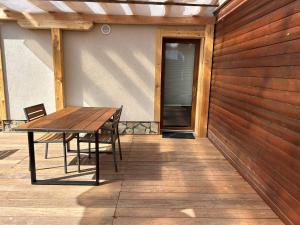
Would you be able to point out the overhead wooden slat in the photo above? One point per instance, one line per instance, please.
(112, 9)
(44, 5)
(134, 9)
(79, 7)
(115, 7)
(168, 10)
(58, 67)
(205, 10)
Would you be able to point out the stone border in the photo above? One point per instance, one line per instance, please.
(8, 125)
(138, 127)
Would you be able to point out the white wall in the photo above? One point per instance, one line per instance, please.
(100, 70)
(110, 70)
(28, 69)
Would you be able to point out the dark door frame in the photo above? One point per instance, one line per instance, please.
(197, 43)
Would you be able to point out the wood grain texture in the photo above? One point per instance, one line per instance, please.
(160, 181)
(71, 119)
(58, 67)
(158, 70)
(254, 105)
(56, 24)
(229, 7)
(69, 18)
(205, 82)
(3, 112)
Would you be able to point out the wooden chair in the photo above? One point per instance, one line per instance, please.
(109, 134)
(37, 111)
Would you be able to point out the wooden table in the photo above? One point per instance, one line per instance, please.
(69, 120)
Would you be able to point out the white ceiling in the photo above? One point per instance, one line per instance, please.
(42, 6)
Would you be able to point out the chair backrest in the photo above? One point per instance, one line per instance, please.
(117, 116)
(35, 112)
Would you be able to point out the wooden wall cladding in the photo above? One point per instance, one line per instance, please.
(254, 116)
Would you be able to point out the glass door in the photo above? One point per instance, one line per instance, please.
(179, 83)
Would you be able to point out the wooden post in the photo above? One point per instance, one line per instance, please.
(57, 47)
(158, 76)
(3, 112)
(206, 79)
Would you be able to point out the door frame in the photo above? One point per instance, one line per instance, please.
(206, 34)
(197, 43)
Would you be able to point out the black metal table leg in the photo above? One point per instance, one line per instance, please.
(97, 157)
(31, 157)
(65, 153)
(78, 153)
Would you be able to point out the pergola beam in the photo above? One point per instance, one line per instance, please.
(61, 24)
(136, 2)
(61, 19)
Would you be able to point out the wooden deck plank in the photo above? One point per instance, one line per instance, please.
(160, 181)
(196, 213)
(53, 220)
(194, 221)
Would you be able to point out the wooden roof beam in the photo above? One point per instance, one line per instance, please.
(59, 24)
(56, 19)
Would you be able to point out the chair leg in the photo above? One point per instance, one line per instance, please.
(78, 153)
(46, 150)
(89, 150)
(114, 155)
(65, 155)
(69, 148)
(119, 143)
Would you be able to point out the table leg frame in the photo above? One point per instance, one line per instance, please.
(31, 157)
(65, 153)
(78, 152)
(97, 157)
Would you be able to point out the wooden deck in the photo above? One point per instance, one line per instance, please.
(161, 181)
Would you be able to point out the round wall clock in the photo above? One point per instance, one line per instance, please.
(105, 29)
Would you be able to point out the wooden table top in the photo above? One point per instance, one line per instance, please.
(71, 119)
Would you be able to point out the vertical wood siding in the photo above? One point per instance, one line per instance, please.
(254, 115)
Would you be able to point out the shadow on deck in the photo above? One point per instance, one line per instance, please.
(160, 181)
